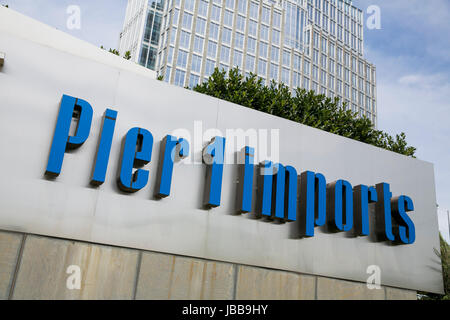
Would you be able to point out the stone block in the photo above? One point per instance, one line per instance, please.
(48, 270)
(164, 276)
(400, 294)
(263, 284)
(9, 254)
(334, 289)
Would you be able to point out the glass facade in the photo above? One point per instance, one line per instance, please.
(152, 33)
(313, 44)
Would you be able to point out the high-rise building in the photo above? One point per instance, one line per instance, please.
(313, 44)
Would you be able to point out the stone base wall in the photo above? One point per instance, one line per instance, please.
(37, 267)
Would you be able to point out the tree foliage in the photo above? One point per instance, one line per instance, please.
(114, 51)
(444, 255)
(306, 107)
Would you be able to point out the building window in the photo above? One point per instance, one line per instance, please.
(297, 62)
(324, 44)
(296, 80)
(274, 71)
(198, 44)
(240, 23)
(173, 36)
(315, 73)
(276, 19)
(167, 75)
(242, 6)
(286, 58)
(182, 59)
(306, 83)
(193, 80)
(275, 54)
(215, 13)
(331, 50)
(196, 64)
(250, 63)
(323, 77)
(200, 26)
(224, 67)
(339, 70)
(252, 28)
(226, 36)
(189, 5)
(239, 40)
(203, 8)
(306, 67)
(316, 40)
(263, 48)
(323, 61)
(229, 4)
(225, 54)
(265, 16)
(262, 67)
(170, 55)
(209, 68)
(331, 82)
(254, 10)
(212, 49)
(275, 36)
(214, 31)
(339, 86)
(347, 75)
(285, 76)
(347, 91)
(251, 45)
(176, 15)
(228, 18)
(264, 32)
(331, 66)
(185, 39)
(179, 77)
(237, 59)
(316, 56)
(187, 20)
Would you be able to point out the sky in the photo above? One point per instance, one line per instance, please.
(410, 51)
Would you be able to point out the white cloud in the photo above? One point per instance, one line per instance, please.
(419, 105)
(435, 81)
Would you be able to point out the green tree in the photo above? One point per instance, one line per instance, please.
(127, 55)
(114, 51)
(306, 107)
(444, 255)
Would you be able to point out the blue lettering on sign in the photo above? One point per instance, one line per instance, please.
(104, 147)
(214, 159)
(167, 161)
(312, 202)
(245, 186)
(137, 152)
(70, 108)
(281, 194)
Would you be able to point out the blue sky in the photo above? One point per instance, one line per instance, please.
(410, 51)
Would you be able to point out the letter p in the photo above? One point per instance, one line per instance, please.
(70, 108)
